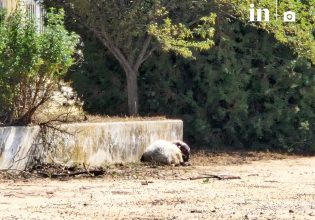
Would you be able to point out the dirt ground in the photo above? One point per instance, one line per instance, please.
(270, 187)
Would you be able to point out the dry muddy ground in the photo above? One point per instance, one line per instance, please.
(275, 187)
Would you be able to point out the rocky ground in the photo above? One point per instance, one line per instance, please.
(267, 187)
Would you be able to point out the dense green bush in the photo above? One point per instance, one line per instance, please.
(31, 63)
(249, 91)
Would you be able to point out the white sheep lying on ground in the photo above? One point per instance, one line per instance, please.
(166, 152)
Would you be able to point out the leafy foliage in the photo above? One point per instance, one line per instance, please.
(31, 63)
(180, 39)
(126, 24)
(248, 91)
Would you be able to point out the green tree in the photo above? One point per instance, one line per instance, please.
(133, 29)
(31, 63)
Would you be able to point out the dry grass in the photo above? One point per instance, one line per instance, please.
(102, 118)
(74, 114)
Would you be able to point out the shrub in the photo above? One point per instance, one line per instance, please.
(31, 63)
(249, 91)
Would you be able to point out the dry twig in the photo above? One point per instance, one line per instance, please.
(219, 177)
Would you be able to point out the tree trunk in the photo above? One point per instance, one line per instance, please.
(132, 89)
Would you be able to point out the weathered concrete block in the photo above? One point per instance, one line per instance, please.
(15, 145)
(94, 144)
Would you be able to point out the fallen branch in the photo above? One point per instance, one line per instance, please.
(12, 194)
(219, 177)
(89, 172)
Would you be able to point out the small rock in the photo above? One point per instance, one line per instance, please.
(291, 211)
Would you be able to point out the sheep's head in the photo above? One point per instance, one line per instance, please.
(184, 149)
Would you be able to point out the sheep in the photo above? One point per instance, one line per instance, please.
(166, 152)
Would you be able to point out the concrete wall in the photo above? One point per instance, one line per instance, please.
(15, 145)
(94, 144)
